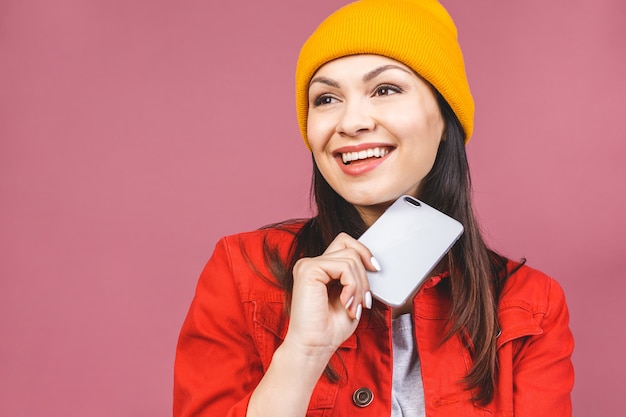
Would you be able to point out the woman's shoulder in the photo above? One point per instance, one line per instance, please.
(243, 261)
(248, 253)
(278, 236)
(531, 289)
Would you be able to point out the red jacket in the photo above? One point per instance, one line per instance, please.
(237, 320)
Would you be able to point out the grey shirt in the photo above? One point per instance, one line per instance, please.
(407, 397)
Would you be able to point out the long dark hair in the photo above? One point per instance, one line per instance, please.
(476, 273)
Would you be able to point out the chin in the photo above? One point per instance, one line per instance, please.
(373, 202)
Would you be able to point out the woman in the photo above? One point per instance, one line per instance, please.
(283, 322)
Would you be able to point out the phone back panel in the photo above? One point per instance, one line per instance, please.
(408, 241)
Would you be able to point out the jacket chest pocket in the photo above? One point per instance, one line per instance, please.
(270, 327)
(517, 326)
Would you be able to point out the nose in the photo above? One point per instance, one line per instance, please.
(356, 119)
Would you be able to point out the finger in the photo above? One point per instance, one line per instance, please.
(363, 289)
(362, 294)
(358, 273)
(345, 241)
(355, 294)
(345, 268)
(354, 306)
(355, 291)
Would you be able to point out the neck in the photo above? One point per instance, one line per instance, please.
(370, 214)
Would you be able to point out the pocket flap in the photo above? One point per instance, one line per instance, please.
(271, 316)
(516, 322)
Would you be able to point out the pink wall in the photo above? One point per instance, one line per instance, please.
(134, 133)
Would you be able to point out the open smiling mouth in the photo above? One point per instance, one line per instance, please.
(349, 157)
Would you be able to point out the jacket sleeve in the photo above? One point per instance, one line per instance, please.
(544, 375)
(217, 366)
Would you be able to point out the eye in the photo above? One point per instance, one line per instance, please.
(324, 99)
(386, 90)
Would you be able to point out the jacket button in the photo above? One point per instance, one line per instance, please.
(362, 397)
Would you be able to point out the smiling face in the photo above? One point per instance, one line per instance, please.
(374, 128)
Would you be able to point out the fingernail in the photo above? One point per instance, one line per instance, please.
(349, 303)
(359, 310)
(368, 300)
(375, 263)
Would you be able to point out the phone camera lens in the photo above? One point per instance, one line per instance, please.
(412, 201)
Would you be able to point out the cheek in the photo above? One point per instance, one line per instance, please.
(430, 129)
(317, 139)
(424, 131)
(437, 126)
(421, 136)
(315, 131)
(320, 131)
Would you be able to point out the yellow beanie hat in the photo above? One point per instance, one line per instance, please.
(418, 33)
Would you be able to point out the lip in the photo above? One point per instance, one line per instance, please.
(362, 166)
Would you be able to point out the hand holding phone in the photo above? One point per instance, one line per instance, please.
(408, 241)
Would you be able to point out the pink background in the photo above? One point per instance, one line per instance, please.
(133, 134)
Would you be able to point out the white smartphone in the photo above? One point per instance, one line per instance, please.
(408, 241)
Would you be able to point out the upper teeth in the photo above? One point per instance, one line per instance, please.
(368, 153)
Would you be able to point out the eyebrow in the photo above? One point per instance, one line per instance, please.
(376, 72)
(367, 77)
(324, 80)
